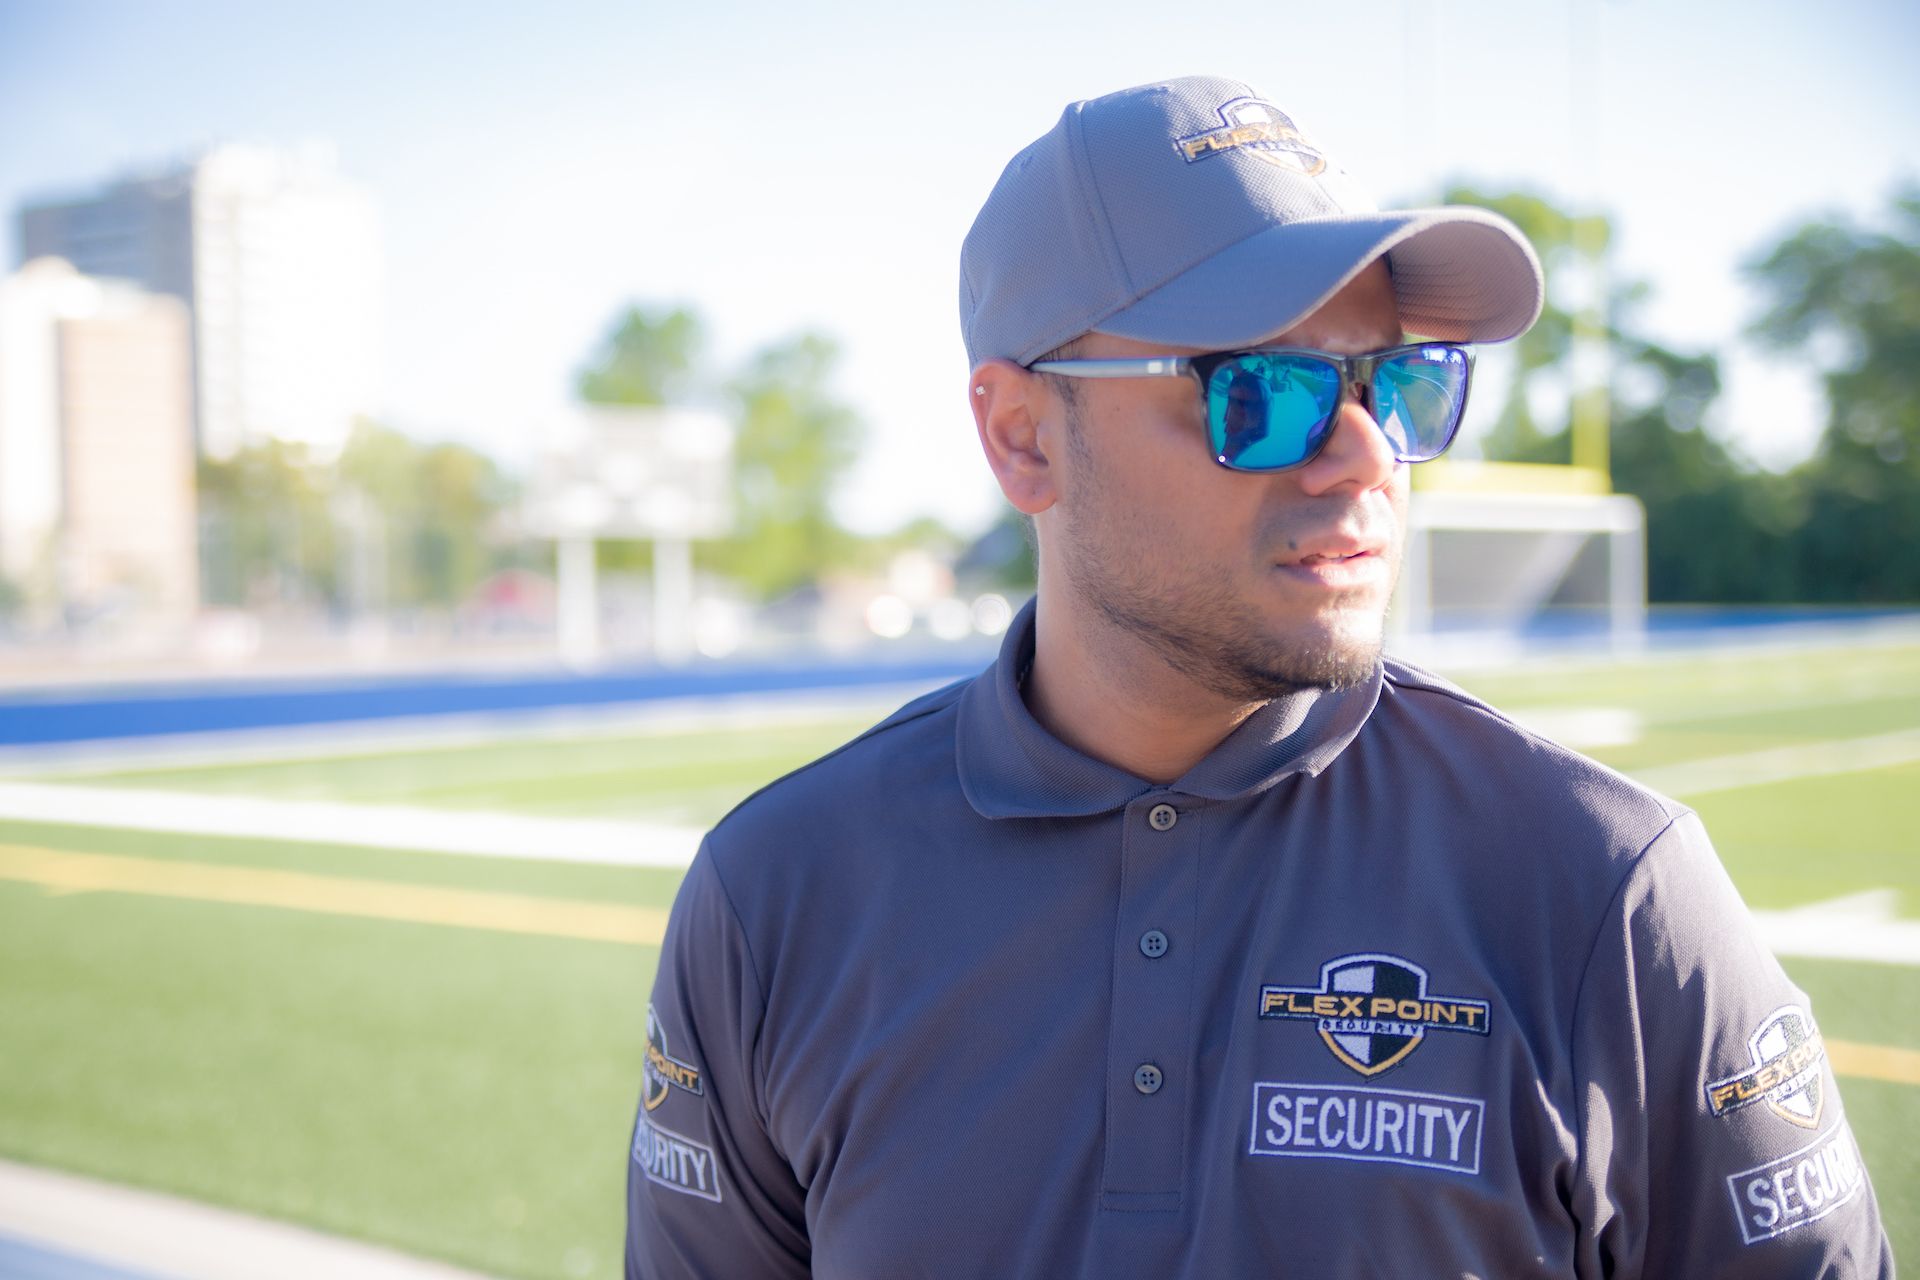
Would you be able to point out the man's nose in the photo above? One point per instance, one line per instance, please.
(1357, 455)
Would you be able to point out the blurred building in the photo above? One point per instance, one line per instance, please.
(277, 257)
(97, 509)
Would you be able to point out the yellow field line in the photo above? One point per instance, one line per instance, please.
(1874, 1061)
(61, 871)
(64, 872)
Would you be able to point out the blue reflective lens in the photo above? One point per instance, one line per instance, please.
(1265, 412)
(1270, 410)
(1417, 399)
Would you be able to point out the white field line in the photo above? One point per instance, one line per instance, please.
(498, 835)
(1783, 764)
(160, 1235)
(1859, 927)
(635, 843)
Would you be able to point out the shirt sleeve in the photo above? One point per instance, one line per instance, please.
(1712, 1138)
(708, 1194)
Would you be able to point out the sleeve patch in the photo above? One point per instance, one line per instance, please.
(1805, 1186)
(1786, 1055)
(663, 1070)
(675, 1161)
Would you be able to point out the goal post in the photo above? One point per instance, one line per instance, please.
(1500, 544)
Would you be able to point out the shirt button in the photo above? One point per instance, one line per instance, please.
(1153, 944)
(1163, 816)
(1147, 1078)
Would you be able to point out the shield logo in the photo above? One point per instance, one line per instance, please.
(662, 1070)
(1799, 1099)
(1786, 1057)
(1259, 129)
(1284, 145)
(1372, 1009)
(1372, 1045)
(656, 1092)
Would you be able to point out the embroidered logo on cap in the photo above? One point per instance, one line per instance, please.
(1787, 1054)
(1261, 129)
(1373, 1009)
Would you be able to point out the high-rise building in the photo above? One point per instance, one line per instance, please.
(277, 257)
(97, 505)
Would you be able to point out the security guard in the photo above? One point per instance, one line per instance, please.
(1194, 938)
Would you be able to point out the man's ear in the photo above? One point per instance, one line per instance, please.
(1011, 411)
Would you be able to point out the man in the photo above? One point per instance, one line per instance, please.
(1193, 939)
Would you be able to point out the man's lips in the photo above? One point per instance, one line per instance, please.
(1335, 562)
(1331, 549)
(1362, 569)
(1330, 557)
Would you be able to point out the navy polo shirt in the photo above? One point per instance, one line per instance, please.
(1386, 985)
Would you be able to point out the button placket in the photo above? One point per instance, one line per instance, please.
(1151, 1037)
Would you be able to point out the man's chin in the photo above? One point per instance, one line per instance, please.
(1278, 664)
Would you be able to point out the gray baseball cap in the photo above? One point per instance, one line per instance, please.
(1196, 213)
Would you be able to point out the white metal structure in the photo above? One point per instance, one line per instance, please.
(1506, 556)
(664, 474)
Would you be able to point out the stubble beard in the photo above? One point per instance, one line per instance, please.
(1200, 627)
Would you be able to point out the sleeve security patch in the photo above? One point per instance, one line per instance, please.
(675, 1161)
(1775, 1198)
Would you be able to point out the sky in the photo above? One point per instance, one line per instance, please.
(782, 168)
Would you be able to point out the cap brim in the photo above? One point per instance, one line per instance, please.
(1461, 274)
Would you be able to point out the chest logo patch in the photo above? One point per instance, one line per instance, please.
(1786, 1054)
(664, 1072)
(1373, 1009)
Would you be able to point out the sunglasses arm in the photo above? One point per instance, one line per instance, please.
(1158, 367)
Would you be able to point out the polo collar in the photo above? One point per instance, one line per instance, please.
(1011, 767)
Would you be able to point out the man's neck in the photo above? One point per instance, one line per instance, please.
(1111, 696)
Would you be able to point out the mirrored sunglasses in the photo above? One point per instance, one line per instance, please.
(1274, 409)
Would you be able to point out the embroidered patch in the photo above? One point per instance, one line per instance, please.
(1774, 1198)
(1372, 1009)
(1355, 1122)
(664, 1072)
(1787, 1054)
(674, 1160)
(1259, 128)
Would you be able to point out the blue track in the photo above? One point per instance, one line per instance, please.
(71, 714)
(80, 714)
(25, 1260)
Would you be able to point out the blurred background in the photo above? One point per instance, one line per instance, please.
(449, 455)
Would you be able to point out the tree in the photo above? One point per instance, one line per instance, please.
(1562, 240)
(1846, 299)
(434, 504)
(267, 536)
(793, 444)
(648, 357)
(1716, 530)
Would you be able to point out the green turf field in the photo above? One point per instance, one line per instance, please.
(465, 1092)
